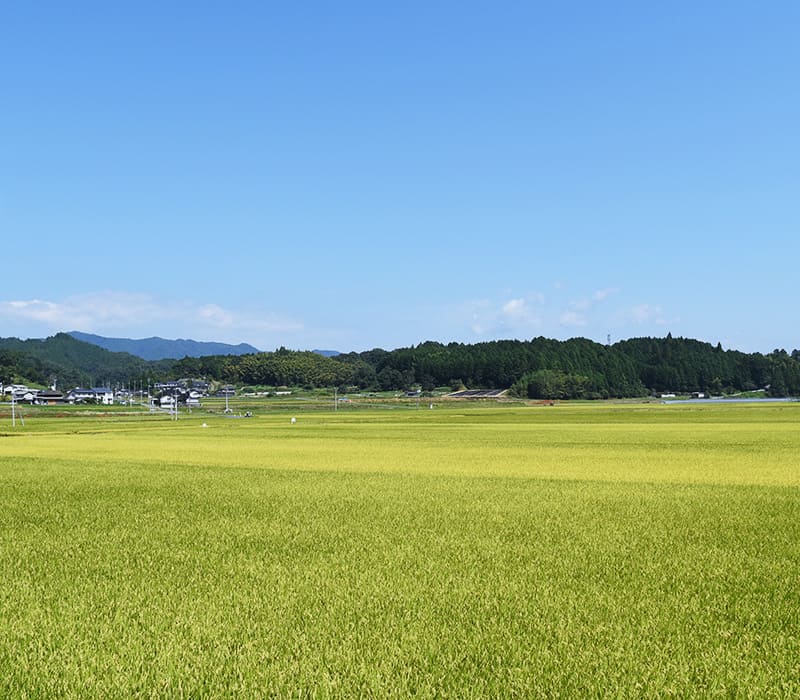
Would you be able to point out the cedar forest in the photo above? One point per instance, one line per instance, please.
(540, 368)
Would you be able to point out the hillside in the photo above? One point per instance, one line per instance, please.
(537, 368)
(72, 362)
(156, 348)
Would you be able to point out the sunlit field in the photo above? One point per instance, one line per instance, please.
(618, 550)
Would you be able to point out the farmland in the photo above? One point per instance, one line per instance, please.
(625, 550)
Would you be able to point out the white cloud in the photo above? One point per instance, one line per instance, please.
(642, 313)
(649, 313)
(515, 309)
(602, 294)
(478, 312)
(580, 305)
(140, 314)
(215, 315)
(578, 311)
(89, 311)
(575, 315)
(529, 314)
(520, 315)
(572, 318)
(35, 310)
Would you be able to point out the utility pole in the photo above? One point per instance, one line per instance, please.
(14, 412)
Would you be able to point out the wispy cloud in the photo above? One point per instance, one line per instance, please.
(523, 310)
(641, 314)
(531, 313)
(88, 311)
(520, 315)
(603, 294)
(572, 319)
(119, 312)
(578, 311)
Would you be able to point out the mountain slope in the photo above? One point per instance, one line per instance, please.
(156, 348)
(72, 362)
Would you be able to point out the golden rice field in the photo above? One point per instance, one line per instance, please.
(466, 552)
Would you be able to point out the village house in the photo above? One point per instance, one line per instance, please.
(101, 395)
(49, 397)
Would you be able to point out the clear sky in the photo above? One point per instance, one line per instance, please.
(351, 175)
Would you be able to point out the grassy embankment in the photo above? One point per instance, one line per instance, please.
(471, 552)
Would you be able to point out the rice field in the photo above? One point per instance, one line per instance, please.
(587, 550)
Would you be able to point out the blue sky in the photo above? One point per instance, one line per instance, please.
(356, 174)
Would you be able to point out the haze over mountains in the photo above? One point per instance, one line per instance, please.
(156, 348)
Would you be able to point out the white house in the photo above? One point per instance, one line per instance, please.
(14, 389)
(101, 395)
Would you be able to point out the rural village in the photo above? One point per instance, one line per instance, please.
(185, 392)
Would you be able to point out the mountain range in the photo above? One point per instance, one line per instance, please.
(156, 348)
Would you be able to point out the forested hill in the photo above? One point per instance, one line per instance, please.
(71, 362)
(579, 367)
(682, 364)
(538, 368)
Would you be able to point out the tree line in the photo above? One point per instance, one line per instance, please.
(540, 368)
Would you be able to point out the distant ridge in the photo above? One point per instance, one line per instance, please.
(156, 348)
(327, 353)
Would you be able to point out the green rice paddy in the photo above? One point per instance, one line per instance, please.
(568, 551)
